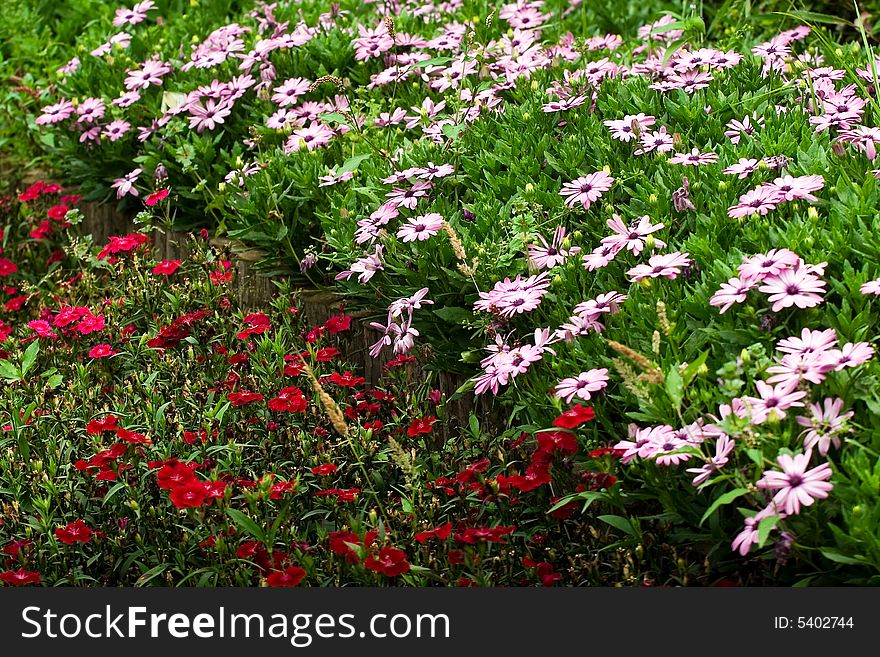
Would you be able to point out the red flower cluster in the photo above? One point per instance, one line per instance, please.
(39, 188)
(544, 570)
(257, 323)
(186, 489)
(179, 329)
(341, 494)
(122, 244)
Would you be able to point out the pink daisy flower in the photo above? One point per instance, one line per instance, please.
(668, 265)
(314, 136)
(583, 385)
(289, 91)
(757, 201)
(760, 266)
(795, 485)
(629, 127)
(631, 237)
(871, 287)
(793, 287)
(548, 256)
(773, 401)
(694, 158)
(586, 189)
(809, 342)
(731, 292)
(421, 228)
(825, 425)
(743, 168)
(798, 188)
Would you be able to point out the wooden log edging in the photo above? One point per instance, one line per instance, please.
(254, 291)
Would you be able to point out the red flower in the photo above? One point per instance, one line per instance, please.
(472, 535)
(57, 212)
(42, 231)
(176, 474)
(155, 197)
(337, 324)
(421, 425)
(403, 359)
(326, 354)
(101, 351)
(167, 267)
(242, 398)
(324, 470)
(390, 562)
(20, 577)
(289, 399)
(562, 441)
(441, 533)
(248, 550)
(342, 494)
(347, 380)
(7, 267)
(75, 532)
(257, 323)
(108, 423)
(455, 557)
(190, 494)
(341, 543)
(546, 574)
(132, 437)
(121, 244)
(90, 324)
(574, 417)
(278, 489)
(290, 576)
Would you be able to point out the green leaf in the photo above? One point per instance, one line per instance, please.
(726, 498)
(434, 61)
(9, 371)
(152, 573)
(246, 524)
(30, 356)
(621, 523)
(452, 131)
(454, 314)
(334, 117)
(765, 527)
(351, 164)
(815, 17)
(691, 370)
(54, 381)
(675, 387)
(840, 558)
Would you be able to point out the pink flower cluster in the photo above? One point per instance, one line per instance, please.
(780, 274)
